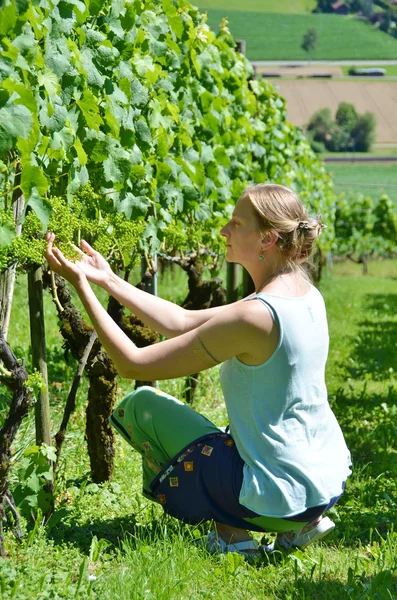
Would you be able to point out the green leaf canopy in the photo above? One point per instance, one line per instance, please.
(144, 101)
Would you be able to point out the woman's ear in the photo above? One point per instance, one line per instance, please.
(269, 239)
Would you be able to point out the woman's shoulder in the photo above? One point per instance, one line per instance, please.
(255, 314)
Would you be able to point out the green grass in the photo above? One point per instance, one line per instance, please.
(286, 6)
(370, 179)
(272, 36)
(114, 545)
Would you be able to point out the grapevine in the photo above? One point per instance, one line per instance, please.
(151, 109)
(131, 124)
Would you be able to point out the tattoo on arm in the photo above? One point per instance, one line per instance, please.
(207, 351)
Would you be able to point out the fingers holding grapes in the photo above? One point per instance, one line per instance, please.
(59, 263)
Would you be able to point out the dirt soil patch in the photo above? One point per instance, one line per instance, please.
(305, 97)
(300, 71)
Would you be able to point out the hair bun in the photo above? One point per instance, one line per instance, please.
(303, 227)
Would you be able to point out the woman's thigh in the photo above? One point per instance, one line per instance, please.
(157, 424)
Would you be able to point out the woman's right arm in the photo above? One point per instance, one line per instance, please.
(163, 316)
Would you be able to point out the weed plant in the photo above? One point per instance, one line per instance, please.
(107, 542)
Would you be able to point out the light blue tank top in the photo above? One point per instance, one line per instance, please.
(284, 429)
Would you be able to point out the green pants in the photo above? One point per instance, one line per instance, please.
(159, 426)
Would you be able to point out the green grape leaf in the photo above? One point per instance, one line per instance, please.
(33, 177)
(117, 166)
(81, 154)
(140, 93)
(134, 206)
(49, 81)
(40, 206)
(8, 18)
(7, 234)
(163, 173)
(26, 96)
(15, 122)
(88, 105)
(206, 100)
(222, 157)
(143, 131)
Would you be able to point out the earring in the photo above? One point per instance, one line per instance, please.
(261, 257)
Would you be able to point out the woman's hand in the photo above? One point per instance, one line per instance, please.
(60, 264)
(93, 265)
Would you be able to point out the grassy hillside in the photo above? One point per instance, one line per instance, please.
(274, 36)
(286, 6)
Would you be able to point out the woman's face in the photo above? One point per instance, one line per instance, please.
(243, 238)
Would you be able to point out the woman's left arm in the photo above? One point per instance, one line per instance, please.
(222, 337)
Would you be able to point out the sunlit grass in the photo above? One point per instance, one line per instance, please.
(112, 544)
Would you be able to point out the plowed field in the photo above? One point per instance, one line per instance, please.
(306, 97)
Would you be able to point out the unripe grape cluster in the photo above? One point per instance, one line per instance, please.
(111, 233)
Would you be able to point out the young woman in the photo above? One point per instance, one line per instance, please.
(284, 462)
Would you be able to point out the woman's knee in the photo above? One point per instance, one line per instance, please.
(147, 402)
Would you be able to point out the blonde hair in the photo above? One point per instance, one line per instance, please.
(280, 209)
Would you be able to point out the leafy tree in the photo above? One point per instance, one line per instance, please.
(339, 139)
(346, 116)
(309, 41)
(348, 132)
(363, 133)
(386, 21)
(324, 6)
(320, 125)
(366, 7)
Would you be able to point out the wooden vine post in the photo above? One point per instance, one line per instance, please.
(39, 358)
(7, 277)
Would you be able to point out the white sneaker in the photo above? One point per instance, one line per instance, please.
(216, 545)
(302, 537)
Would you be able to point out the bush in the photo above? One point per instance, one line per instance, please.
(349, 131)
(339, 139)
(363, 133)
(317, 147)
(346, 116)
(320, 125)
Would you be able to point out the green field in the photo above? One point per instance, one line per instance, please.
(286, 6)
(273, 36)
(371, 179)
